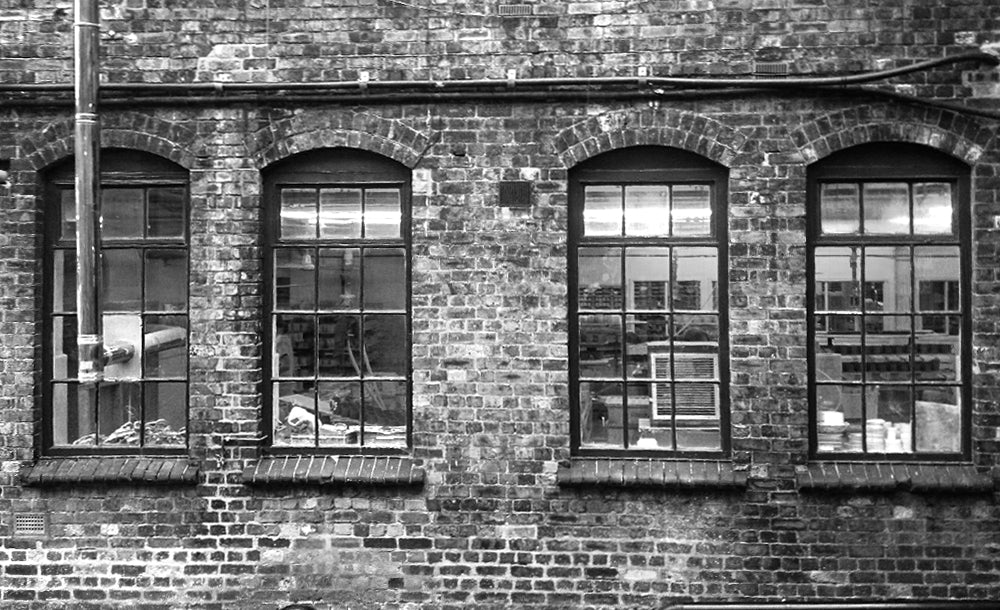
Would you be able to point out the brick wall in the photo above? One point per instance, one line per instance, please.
(489, 526)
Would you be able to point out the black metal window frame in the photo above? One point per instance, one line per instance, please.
(120, 169)
(332, 168)
(897, 163)
(648, 165)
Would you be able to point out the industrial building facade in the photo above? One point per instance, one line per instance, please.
(421, 305)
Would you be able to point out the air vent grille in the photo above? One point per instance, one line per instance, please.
(514, 10)
(770, 69)
(30, 524)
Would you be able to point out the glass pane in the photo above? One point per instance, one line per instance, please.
(602, 211)
(384, 349)
(887, 208)
(600, 346)
(121, 272)
(74, 414)
(385, 278)
(64, 281)
(840, 209)
(294, 413)
(938, 270)
(166, 212)
(600, 275)
(339, 413)
(383, 213)
(122, 213)
(647, 273)
(166, 414)
(696, 405)
(693, 330)
(692, 210)
(938, 355)
(933, 211)
(123, 343)
(887, 348)
(601, 406)
(644, 431)
(938, 420)
(645, 334)
(838, 279)
(888, 286)
(119, 417)
(696, 274)
(834, 413)
(339, 278)
(67, 221)
(298, 213)
(294, 341)
(647, 210)
(294, 278)
(340, 213)
(385, 414)
(890, 416)
(340, 348)
(166, 280)
(64, 359)
(165, 346)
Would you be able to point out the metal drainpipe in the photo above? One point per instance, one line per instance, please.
(87, 149)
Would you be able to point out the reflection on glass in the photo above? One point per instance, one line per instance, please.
(691, 210)
(647, 271)
(166, 280)
(340, 213)
(119, 414)
(64, 359)
(166, 414)
(166, 212)
(939, 352)
(340, 408)
(601, 420)
(293, 411)
(74, 414)
(294, 343)
(938, 419)
(339, 278)
(384, 347)
(600, 346)
(887, 208)
(602, 211)
(165, 346)
(340, 349)
(644, 333)
(119, 271)
(696, 272)
(647, 210)
(938, 269)
(600, 277)
(385, 414)
(887, 279)
(122, 213)
(385, 278)
(294, 277)
(696, 328)
(837, 324)
(64, 282)
(932, 208)
(67, 222)
(298, 213)
(840, 210)
(838, 278)
(383, 213)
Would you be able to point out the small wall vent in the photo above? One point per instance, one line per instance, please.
(514, 10)
(770, 69)
(30, 524)
(515, 194)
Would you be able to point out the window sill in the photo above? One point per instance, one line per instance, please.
(334, 470)
(640, 472)
(110, 470)
(889, 477)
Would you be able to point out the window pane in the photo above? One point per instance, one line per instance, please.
(123, 340)
(601, 414)
(67, 212)
(166, 280)
(383, 213)
(340, 349)
(165, 346)
(644, 431)
(64, 358)
(121, 272)
(840, 209)
(647, 210)
(938, 419)
(339, 278)
(74, 414)
(166, 212)
(294, 341)
(647, 271)
(832, 420)
(340, 213)
(600, 346)
(697, 416)
(385, 414)
(836, 325)
(385, 278)
(933, 211)
(384, 348)
(298, 213)
(938, 355)
(602, 211)
(838, 279)
(64, 281)
(122, 213)
(166, 414)
(888, 284)
(887, 207)
(600, 275)
(340, 413)
(645, 334)
(294, 278)
(890, 417)
(119, 417)
(695, 329)
(294, 413)
(696, 272)
(691, 212)
(938, 270)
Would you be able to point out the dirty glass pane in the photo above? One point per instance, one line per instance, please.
(166, 414)
(601, 414)
(383, 213)
(933, 211)
(166, 216)
(838, 278)
(119, 417)
(600, 346)
(294, 413)
(340, 213)
(166, 280)
(645, 335)
(120, 273)
(339, 407)
(294, 342)
(67, 215)
(647, 271)
(647, 210)
(165, 346)
(600, 278)
(691, 211)
(340, 349)
(384, 347)
(889, 424)
(122, 212)
(339, 278)
(298, 213)
(696, 273)
(887, 208)
(938, 419)
(64, 281)
(888, 284)
(74, 414)
(64, 359)
(385, 414)
(602, 211)
(840, 209)
(644, 431)
(294, 278)
(385, 278)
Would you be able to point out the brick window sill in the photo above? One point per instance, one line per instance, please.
(334, 470)
(890, 477)
(650, 473)
(110, 470)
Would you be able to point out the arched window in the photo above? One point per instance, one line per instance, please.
(889, 325)
(142, 402)
(648, 327)
(337, 252)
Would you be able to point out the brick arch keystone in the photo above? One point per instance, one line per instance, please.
(681, 129)
(320, 129)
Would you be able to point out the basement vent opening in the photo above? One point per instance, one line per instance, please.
(770, 69)
(514, 10)
(30, 524)
(515, 194)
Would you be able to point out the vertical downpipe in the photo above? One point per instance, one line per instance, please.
(86, 149)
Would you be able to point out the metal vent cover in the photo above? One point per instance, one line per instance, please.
(515, 194)
(514, 10)
(770, 69)
(31, 524)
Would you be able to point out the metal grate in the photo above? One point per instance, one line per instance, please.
(515, 194)
(770, 69)
(30, 524)
(514, 10)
